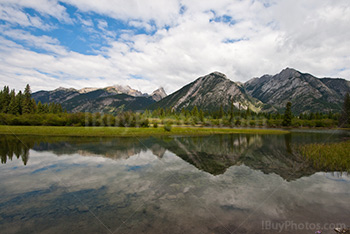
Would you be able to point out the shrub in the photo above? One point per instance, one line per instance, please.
(167, 127)
(144, 123)
(238, 122)
(155, 124)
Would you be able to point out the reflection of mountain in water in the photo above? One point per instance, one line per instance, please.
(213, 154)
(267, 153)
(275, 156)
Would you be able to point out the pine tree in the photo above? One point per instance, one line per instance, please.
(59, 108)
(221, 112)
(161, 112)
(248, 114)
(45, 108)
(13, 107)
(27, 107)
(345, 115)
(287, 118)
(231, 112)
(51, 108)
(183, 111)
(33, 105)
(201, 116)
(1, 100)
(19, 101)
(5, 99)
(195, 111)
(40, 108)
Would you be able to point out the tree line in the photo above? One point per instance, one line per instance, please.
(21, 109)
(23, 103)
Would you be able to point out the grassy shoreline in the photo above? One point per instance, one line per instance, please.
(326, 156)
(127, 132)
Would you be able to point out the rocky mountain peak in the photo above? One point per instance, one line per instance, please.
(158, 94)
(64, 89)
(87, 90)
(208, 93)
(218, 74)
(118, 89)
(288, 73)
(306, 92)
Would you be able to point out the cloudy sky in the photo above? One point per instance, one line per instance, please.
(169, 43)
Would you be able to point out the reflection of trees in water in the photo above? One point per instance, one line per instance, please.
(113, 148)
(213, 154)
(12, 146)
(288, 140)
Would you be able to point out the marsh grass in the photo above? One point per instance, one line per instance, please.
(327, 157)
(126, 131)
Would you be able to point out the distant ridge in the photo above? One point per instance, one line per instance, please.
(110, 99)
(268, 93)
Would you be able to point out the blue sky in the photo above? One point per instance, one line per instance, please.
(168, 43)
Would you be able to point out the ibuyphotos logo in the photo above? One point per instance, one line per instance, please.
(294, 226)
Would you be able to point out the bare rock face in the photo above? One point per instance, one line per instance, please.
(58, 95)
(110, 99)
(267, 93)
(306, 92)
(158, 94)
(208, 93)
(87, 90)
(119, 89)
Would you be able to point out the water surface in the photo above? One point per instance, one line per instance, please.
(211, 184)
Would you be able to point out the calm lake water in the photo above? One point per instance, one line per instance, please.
(212, 184)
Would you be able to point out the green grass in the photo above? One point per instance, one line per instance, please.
(120, 131)
(327, 157)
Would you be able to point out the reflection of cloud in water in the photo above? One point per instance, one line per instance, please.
(213, 154)
(162, 196)
(156, 182)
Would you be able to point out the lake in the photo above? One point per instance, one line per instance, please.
(210, 184)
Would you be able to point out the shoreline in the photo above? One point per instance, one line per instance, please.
(128, 131)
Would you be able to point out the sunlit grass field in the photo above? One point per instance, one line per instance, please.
(127, 131)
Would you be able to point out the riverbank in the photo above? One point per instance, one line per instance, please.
(128, 131)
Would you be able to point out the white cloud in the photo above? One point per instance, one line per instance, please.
(102, 24)
(142, 24)
(86, 22)
(45, 7)
(161, 11)
(263, 37)
(18, 17)
(46, 43)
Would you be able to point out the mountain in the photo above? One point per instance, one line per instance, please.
(208, 93)
(158, 94)
(267, 93)
(59, 95)
(108, 100)
(305, 91)
(94, 102)
(341, 86)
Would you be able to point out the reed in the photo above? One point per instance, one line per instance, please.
(327, 157)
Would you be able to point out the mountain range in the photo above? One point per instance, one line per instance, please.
(267, 93)
(108, 100)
